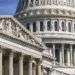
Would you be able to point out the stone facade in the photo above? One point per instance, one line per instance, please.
(39, 39)
(54, 22)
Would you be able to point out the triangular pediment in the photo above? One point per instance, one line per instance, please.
(10, 26)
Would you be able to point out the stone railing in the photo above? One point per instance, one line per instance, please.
(11, 27)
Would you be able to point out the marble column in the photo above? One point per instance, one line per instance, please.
(62, 49)
(39, 2)
(68, 57)
(30, 67)
(0, 62)
(21, 65)
(34, 68)
(45, 25)
(71, 49)
(29, 1)
(72, 28)
(52, 23)
(11, 63)
(38, 26)
(49, 72)
(60, 25)
(39, 68)
(66, 25)
(31, 27)
(74, 56)
(54, 52)
(61, 56)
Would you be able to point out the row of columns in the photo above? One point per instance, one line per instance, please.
(69, 58)
(21, 60)
(59, 26)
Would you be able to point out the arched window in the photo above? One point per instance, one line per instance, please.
(41, 26)
(56, 26)
(69, 26)
(28, 26)
(49, 25)
(34, 26)
(63, 26)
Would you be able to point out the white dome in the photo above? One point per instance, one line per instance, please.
(47, 7)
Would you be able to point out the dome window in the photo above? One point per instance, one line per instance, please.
(63, 26)
(41, 26)
(34, 26)
(69, 26)
(28, 26)
(56, 26)
(49, 25)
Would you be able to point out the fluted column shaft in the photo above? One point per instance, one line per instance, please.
(31, 27)
(21, 65)
(11, 63)
(38, 26)
(30, 67)
(68, 57)
(62, 48)
(71, 63)
(45, 25)
(39, 69)
(54, 52)
(0, 62)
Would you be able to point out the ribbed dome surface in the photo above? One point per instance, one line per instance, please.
(23, 4)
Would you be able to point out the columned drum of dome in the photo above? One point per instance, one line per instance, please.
(54, 22)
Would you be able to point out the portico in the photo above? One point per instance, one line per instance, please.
(14, 63)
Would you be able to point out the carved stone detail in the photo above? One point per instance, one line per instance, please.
(9, 27)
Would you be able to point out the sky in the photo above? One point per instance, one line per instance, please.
(8, 7)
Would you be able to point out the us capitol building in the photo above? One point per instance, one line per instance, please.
(39, 39)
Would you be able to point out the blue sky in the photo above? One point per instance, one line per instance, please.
(8, 7)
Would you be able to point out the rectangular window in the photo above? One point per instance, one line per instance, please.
(28, 26)
(41, 26)
(49, 25)
(34, 27)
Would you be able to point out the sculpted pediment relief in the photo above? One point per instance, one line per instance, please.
(11, 27)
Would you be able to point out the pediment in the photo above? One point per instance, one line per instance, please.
(10, 26)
